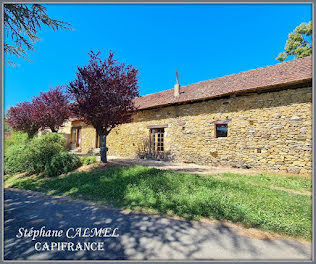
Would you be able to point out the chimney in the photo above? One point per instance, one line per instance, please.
(177, 86)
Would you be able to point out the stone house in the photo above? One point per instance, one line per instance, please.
(260, 118)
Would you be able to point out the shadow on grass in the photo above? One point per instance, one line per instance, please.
(141, 236)
(186, 195)
(139, 187)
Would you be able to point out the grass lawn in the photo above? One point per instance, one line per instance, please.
(250, 200)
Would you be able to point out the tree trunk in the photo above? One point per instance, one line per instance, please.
(103, 148)
(30, 135)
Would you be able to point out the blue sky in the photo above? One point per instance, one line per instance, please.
(200, 41)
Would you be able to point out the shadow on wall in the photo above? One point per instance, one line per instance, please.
(144, 152)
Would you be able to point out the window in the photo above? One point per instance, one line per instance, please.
(221, 130)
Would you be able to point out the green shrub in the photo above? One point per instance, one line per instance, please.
(14, 159)
(88, 159)
(31, 155)
(41, 150)
(62, 162)
(15, 153)
(17, 138)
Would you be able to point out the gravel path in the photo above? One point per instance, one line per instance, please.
(182, 167)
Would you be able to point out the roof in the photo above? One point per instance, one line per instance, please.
(281, 74)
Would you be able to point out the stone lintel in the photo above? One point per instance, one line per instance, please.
(158, 126)
(221, 122)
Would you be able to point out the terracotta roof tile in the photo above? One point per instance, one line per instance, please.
(280, 74)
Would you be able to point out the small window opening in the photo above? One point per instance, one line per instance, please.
(258, 150)
(221, 130)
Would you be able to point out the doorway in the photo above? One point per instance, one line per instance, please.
(75, 137)
(157, 143)
(97, 141)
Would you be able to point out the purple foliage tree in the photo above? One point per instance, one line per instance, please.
(20, 117)
(51, 108)
(103, 92)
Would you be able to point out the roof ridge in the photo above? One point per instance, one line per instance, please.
(264, 67)
(232, 74)
(294, 71)
(155, 93)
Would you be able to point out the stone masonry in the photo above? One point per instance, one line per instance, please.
(268, 131)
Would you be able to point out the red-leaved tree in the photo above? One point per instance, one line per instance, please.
(20, 118)
(103, 92)
(51, 108)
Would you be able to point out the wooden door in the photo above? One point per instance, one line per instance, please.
(97, 141)
(75, 136)
(157, 143)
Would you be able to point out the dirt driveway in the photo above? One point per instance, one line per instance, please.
(181, 167)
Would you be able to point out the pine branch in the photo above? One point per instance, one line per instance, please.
(22, 23)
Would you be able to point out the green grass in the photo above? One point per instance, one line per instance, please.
(230, 197)
(88, 159)
(295, 183)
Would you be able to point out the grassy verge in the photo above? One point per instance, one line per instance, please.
(294, 183)
(190, 196)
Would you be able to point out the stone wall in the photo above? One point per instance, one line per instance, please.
(87, 136)
(65, 130)
(268, 131)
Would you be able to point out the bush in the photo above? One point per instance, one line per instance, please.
(88, 159)
(14, 159)
(17, 138)
(15, 152)
(62, 162)
(41, 150)
(39, 154)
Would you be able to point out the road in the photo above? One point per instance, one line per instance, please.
(141, 236)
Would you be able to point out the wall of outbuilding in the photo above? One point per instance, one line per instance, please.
(268, 131)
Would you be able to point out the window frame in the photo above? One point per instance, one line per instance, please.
(221, 124)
